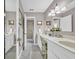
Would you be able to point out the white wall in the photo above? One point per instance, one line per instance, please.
(38, 17)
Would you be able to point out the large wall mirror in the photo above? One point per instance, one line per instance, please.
(57, 22)
(66, 23)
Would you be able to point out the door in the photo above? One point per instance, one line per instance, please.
(30, 28)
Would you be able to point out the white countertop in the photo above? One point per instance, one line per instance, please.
(56, 40)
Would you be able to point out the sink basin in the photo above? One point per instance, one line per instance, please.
(68, 43)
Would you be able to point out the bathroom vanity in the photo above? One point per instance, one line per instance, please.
(58, 48)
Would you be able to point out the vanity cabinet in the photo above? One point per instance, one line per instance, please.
(54, 49)
(57, 52)
(51, 54)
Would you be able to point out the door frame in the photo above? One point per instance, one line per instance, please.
(32, 28)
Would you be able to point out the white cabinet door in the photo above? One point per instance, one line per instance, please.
(62, 53)
(51, 55)
(59, 52)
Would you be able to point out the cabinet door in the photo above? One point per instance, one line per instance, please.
(51, 54)
(59, 52)
(63, 53)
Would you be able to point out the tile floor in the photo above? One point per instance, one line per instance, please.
(11, 54)
(32, 52)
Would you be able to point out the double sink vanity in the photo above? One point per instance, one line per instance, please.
(56, 47)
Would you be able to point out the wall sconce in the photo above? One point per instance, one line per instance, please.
(39, 22)
(48, 22)
(11, 22)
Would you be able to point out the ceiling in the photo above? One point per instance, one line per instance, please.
(30, 5)
(37, 5)
(62, 5)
